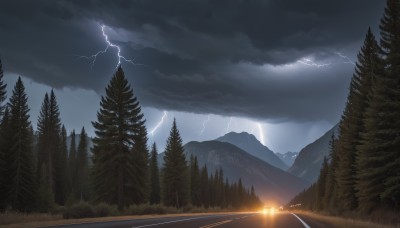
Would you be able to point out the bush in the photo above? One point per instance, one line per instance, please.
(80, 210)
(144, 209)
(104, 210)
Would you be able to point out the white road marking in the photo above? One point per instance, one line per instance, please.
(161, 223)
(304, 223)
(180, 220)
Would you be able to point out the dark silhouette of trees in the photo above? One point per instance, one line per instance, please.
(19, 181)
(175, 173)
(155, 197)
(120, 155)
(364, 169)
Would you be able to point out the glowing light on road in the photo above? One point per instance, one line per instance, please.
(159, 123)
(93, 57)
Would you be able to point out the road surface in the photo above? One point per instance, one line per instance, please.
(234, 220)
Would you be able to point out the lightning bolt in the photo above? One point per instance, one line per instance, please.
(345, 57)
(311, 63)
(229, 125)
(261, 133)
(159, 123)
(93, 57)
(204, 124)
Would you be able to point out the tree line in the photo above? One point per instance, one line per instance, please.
(38, 170)
(362, 172)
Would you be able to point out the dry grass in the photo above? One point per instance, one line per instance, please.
(16, 220)
(16, 217)
(343, 222)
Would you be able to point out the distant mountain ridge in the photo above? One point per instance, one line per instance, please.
(271, 183)
(288, 158)
(251, 145)
(309, 161)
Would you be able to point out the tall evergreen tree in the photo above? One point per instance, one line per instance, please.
(387, 94)
(5, 141)
(369, 158)
(195, 188)
(82, 166)
(119, 154)
(329, 200)
(352, 121)
(204, 195)
(49, 128)
(321, 184)
(155, 197)
(62, 166)
(175, 191)
(140, 159)
(3, 95)
(3, 91)
(72, 174)
(20, 179)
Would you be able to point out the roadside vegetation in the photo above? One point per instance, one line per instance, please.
(361, 178)
(118, 176)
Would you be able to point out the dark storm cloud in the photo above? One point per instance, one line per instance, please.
(197, 56)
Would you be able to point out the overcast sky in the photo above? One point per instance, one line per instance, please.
(279, 69)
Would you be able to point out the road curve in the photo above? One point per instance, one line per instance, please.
(229, 220)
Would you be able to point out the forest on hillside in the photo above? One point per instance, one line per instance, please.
(362, 174)
(38, 173)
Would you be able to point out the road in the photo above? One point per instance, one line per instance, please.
(229, 220)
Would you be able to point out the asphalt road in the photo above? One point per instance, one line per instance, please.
(234, 220)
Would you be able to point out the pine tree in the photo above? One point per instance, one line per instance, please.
(72, 174)
(140, 159)
(155, 197)
(387, 94)
(3, 96)
(352, 121)
(120, 154)
(321, 184)
(194, 181)
(3, 91)
(20, 180)
(82, 188)
(62, 165)
(329, 201)
(44, 196)
(49, 129)
(369, 160)
(204, 192)
(5, 141)
(175, 192)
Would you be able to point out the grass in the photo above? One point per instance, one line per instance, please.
(344, 222)
(34, 222)
(85, 212)
(17, 217)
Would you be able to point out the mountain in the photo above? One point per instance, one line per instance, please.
(309, 161)
(250, 144)
(288, 157)
(271, 183)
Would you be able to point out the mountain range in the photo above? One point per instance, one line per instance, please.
(250, 144)
(270, 182)
(309, 161)
(288, 158)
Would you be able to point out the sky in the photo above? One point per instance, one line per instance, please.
(279, 69)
